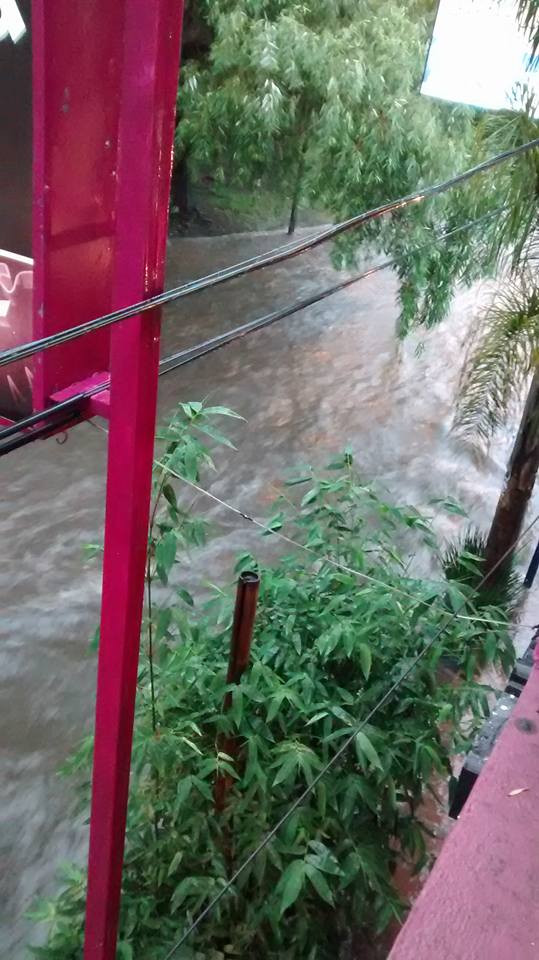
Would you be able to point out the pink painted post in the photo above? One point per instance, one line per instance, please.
(147, 109)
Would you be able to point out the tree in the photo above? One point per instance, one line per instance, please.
(503, 359)
(322, 101)
(196, 42)
(318, 98)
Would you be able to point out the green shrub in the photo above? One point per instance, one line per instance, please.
(464, 561)
(328, 645)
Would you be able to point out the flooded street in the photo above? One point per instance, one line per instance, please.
(308, 385)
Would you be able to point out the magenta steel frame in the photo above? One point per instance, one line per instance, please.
(149, 76)
(105, 80)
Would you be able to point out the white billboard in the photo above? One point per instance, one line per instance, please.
(479, 55)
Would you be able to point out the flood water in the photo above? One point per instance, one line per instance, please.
(331, 375)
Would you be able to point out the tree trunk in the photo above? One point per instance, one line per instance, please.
(518, 488)
(297, 189)
(179, 188)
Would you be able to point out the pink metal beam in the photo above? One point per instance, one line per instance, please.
(480, 900)
(147, 111)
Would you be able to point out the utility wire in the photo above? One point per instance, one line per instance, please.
(321, 557)
(23, 351)
(266, 840)
(176, 360)
(207, 346)
(22, 439)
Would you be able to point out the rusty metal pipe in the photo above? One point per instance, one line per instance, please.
(243, 624)
(238, 661)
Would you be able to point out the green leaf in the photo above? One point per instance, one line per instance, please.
(165, 555)
(298, 480)
(223, 412)
(321, 798)
(275, 705)
(310, 497)
(450, 506)
(319, 883)
(175, 862)
(366, 751)
(93, 642)
(186, 597)
(290, 885)
(183, 791)
(124, 951)
(215, 435)
(287, 767)
(191, 409)
(274, 524)
(318, 716)
(170, 495)
(365, 658)
(164, 619)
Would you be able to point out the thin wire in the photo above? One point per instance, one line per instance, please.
(323, 558)
(279, 255)
(331, 763)
(172, 362)
(320, 557)
(39, 433)
(34, 418)
(207, 346)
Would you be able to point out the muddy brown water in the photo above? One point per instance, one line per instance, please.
(307, 386)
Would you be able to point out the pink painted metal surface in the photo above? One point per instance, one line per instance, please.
(480, 900)
(77, 57)
(15, 202)
(151, 43)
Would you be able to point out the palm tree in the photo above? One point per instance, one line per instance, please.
(503, 360)
(502, 363)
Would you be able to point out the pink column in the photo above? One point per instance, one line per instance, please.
(148, 96)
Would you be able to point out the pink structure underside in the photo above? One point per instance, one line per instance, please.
(481, 899)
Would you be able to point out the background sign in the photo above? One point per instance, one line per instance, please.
(15, 201)
(478, 55)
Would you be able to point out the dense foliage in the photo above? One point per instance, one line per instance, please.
(323, 100)
(329, 642)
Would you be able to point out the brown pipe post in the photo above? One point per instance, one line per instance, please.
(240, 650)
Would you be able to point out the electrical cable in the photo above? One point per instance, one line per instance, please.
(321, 557)
(266, 840)
(176, 360)
(30, 421)
(23, 351)
(324, 558)
(207, 346)
(40, 433)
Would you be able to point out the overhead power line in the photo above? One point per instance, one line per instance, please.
(279, 255)
(176, 360)
(360, 575)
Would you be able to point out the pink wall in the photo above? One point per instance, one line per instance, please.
(481, 899)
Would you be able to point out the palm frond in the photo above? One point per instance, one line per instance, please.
(528, 17)
(517, 182)
(503, 353)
